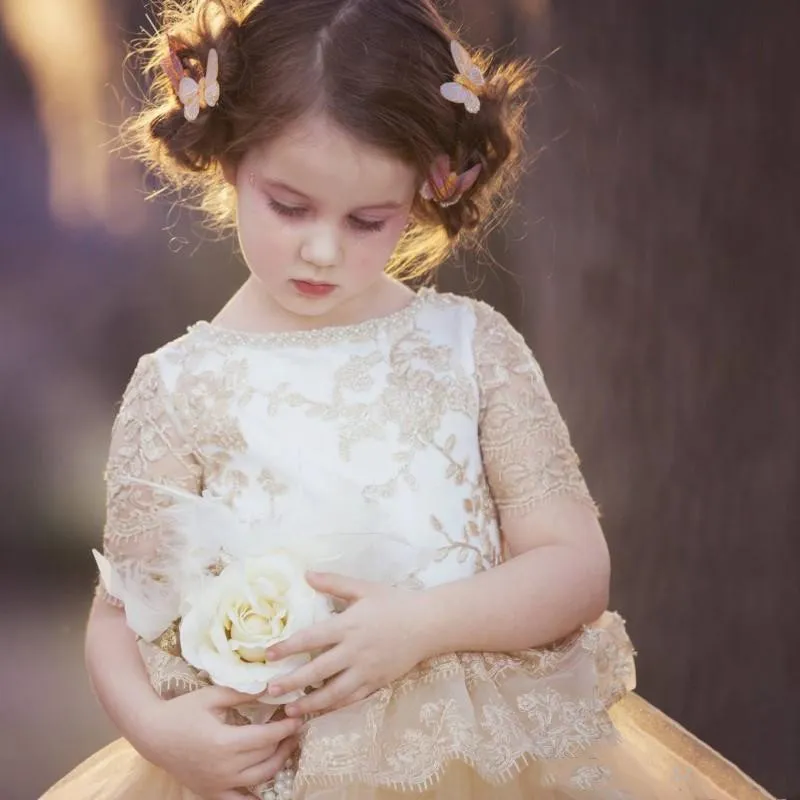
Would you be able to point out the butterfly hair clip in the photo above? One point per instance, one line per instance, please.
(468, 84)
(446, 187)
(193, 94)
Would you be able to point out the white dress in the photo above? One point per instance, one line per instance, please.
(433, 422)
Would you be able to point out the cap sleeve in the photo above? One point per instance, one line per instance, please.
(146, 444)
(525, 444)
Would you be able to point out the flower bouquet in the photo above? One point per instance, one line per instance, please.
(224, 589)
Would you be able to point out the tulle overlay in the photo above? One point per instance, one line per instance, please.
(547, 724)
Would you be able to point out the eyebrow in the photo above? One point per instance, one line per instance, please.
(389, 205)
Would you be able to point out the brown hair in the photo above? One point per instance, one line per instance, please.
(373, 66)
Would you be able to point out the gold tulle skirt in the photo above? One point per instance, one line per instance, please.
(559, 723)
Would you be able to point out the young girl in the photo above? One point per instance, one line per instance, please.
(349, 141)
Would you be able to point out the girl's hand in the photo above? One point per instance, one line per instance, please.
(377, 639)
(188, 738)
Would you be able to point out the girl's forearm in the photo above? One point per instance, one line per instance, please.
(529, 601)
(118, 674)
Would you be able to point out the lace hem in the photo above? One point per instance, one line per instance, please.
(496, 713)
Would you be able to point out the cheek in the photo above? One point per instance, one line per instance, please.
(374, 250)
(262, 233)
(395, 227)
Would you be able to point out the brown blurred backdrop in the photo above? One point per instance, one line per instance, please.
(653, 263)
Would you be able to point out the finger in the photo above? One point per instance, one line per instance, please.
(362, 694)
(324, 699)
(250, 738)
(325, 666)
(223, 697)
(339, 586)
(317, 637)
(267, 770)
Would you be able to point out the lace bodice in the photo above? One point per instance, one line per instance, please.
(432, 423)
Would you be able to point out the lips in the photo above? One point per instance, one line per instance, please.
(313, 288)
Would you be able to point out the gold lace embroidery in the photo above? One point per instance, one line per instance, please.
(525, 443)
(495, 712)
(414, 397)
(424, 383)
(146, 443)
(212, 399)
(586, 778)
(169, 674)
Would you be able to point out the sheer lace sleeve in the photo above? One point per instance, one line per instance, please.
(525, 444)
(146, 444)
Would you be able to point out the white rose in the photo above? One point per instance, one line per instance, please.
(237, 615)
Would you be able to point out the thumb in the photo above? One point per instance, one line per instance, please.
(339, 585)
(224, 697)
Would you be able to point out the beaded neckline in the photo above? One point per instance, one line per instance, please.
(326, 335)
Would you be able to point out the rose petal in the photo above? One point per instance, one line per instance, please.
(243, 611)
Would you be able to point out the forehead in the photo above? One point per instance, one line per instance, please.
(321, 160)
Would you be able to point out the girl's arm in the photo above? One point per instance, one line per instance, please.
(557, 577)
(147, 445)
(118, 675)
(556, 580)
(187, 735)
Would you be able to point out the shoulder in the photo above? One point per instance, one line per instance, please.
(165, 364)
(485, 325)
(150, 396)
(156, 373)
(480, 311)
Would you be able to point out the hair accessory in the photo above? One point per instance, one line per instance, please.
(444, 186)
(193, 95)
(172, 64)
(467, 84)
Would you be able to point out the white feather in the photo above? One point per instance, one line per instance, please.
(150, 606)
(205, 532)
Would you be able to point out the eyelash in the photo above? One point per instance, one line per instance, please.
(361, 225)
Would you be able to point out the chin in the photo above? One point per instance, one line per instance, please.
(310, 307)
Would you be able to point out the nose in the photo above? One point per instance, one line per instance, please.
(321, 247)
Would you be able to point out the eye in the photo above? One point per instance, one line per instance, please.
(286, 211)
(367, 225)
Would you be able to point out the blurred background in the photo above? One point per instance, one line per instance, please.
(653, 263)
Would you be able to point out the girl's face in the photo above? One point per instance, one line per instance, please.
(319, 215)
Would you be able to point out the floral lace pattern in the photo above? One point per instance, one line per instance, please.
(525, 443)
(169, 674)
(146, 443)
(495, 712)
(438, 417)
